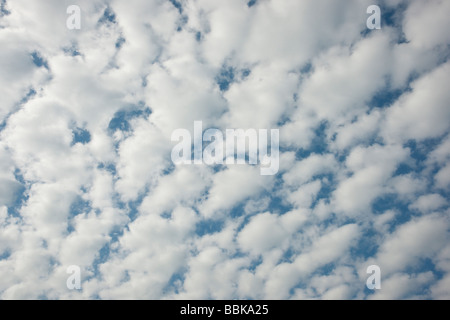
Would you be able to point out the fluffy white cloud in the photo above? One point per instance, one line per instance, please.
(307, 168)
(232, 186)
(429, 202)
(143, 157)
(425, 23)
(335, 72)
(370, 168)
(86, 178)
(329, 247)
(418, 239)
(440, 290)
(400, 286)
(443, 177)
(262, 233)
(422, 113)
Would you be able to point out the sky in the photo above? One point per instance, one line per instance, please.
(87, 178)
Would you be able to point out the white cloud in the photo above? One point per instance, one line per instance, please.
(422, 113)
(337, 286)
(420, 238)
(140, 227)
(441, 154)
(304, 196)
(440, 290)
(262, 233)
(399, 286)
(358, 132)
(232, 186)
(371, 168)
(328, 248)
(408, 185)
(307, 168)
(182, 186)
(262, 99)
(429, 203)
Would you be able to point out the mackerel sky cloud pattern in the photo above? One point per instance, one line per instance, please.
(86, 176)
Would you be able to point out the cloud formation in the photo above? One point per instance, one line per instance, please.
(86, 176)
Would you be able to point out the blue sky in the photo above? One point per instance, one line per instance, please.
(86, 176)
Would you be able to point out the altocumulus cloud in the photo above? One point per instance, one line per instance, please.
(86, 176)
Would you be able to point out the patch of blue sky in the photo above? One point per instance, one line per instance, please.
(276, 205)
(108, 16)
(73, 50)
(116, 233)
(255, 263)
(228, 75)
(386, 202)
(101, 257)
(80, 135)
(120, 41)
(104, 254)
(289, 255)
(18, 176)
(323, 270)
(279, 205)
(318, 145)
(177, 5)
(251, 3)
(118, 203)
(424, 264)
(198, 36)
(327, 187)
(237, 211)
(245, 72)
(144, 81)
(121, 119)
(42, 296)
(30, 94)
(132, 207)
(367, 245)
(385, 97)
(3, 124)
(20, 195)
(110, 167)
(182, 21)
(419, 152)
(38, 60)
(421, 149)
(285, 117)
(208, 226)
(169, 169)
(3, 8)
(307, 68)
(79, 206)
(175, 283)
(392, 202)
(225, 78)
(5, 254)
(390, 17)
(402, 169)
